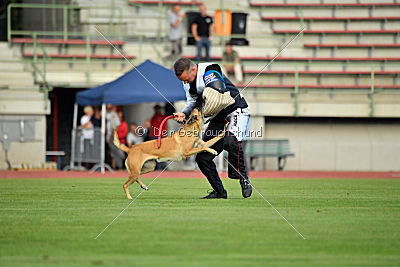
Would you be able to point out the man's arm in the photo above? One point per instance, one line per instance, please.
(211, 31)
(194, 31)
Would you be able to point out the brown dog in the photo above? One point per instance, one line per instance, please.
(180, 145)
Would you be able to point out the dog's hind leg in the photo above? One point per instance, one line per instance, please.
(147, 167)
(126, 185)
(133, 176)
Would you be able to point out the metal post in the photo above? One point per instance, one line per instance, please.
(372, 92)
(9, 23)
(73, 137)
(103, 141)
(35, 40)
(159, 20)
(65, 17)
(140, 48)
(296, 92)
(88, 58)
(111, 21)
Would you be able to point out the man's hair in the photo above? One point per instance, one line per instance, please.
(181, 65)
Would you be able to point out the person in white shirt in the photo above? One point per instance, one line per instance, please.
(86, 127)
(134, 136)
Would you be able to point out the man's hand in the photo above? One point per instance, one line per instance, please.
(179, 116)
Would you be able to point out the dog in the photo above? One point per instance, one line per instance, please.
(180, 145)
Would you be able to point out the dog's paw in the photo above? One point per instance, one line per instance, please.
(212, 151)
(144, 187)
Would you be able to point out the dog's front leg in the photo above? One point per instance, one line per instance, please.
(211, 141)
(142, 185)
(198, 150)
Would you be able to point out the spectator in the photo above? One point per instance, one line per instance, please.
(134, 136)
(155, 122)
(231, 63)
(87, 125)
(87, 134)
(175, 32)
(122, 128)
(112, 122)
(147, 130)
(203, 31)
(96, 119)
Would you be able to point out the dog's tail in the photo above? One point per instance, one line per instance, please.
(118, 144)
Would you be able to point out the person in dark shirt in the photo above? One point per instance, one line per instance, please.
(203, 31)
(96, 119)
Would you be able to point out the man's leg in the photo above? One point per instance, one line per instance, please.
(207, 45)
(199, 46)
(237, 130)
(205, 160)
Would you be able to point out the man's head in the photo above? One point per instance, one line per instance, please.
(185, 70)
(157, 109)
(228, 48)
(134, 127)
(176, 9)
(203, 11)
(88, 110)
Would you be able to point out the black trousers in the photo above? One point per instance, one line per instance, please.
(235, 150)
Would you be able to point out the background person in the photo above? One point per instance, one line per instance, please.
(175, 32)
(134, 136)
(155, 121)
(203, 31)
(122, 128)
(96, 118)
(231, 62)
(112, 122)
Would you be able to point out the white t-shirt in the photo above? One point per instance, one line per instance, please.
(87, 133)
(133, 139)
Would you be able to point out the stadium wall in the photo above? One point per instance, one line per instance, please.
(337, 144)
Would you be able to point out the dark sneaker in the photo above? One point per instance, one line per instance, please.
(215, 194)
(246, 187)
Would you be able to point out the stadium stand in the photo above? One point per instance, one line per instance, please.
(348, 54)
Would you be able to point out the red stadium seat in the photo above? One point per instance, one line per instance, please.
(324, 86)
(93, 56)
(67, 41)
(321, 72)
(189, 3)
(352, 45)
(267, 58)
(323, 4)
(330, 18)
(337, 31)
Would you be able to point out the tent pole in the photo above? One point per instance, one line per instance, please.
(103, 133)
(73, 137)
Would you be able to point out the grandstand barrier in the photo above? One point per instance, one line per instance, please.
(156, 2)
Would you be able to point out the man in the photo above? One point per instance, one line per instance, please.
(156, 121)
(113, 122)
(134, 137)
(175, 32)
(231, 62)
(204, 83)
(203, 31)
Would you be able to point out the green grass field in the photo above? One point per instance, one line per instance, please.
(47, 222)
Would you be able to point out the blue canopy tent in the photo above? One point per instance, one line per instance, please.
(148, 82)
